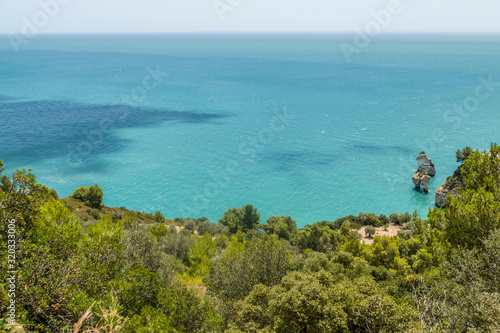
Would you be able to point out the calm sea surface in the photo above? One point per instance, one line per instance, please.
(192, 125)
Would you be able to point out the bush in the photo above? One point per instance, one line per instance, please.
(369, 219)
(383, 219)
(283, 226)
(405, 234)
(158, 231)
(91, 196)
(177, 245)
(140, 249)
(96, 215)
(393, 218)
(400, 219)
(158, 217)
(189, 225)
(205, 227)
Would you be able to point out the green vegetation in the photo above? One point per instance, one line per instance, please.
(111, 269)
(370, 231)
(241, 219)
(463, 154)
(91, 196)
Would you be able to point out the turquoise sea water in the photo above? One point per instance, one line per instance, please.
(280, 121)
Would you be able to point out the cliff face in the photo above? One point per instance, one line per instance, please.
(450, 186)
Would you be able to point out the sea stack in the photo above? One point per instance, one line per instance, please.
(426, 170)
(425, 164)
(422, 180)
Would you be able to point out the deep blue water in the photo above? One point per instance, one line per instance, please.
(280, 121)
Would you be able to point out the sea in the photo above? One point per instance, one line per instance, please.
(315, 126)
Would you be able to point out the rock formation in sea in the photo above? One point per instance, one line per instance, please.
(425, 164)
(425, 171)
(422, 180)
(450, 186)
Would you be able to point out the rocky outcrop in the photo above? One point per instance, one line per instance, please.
(425, 164)
(422, 180)
(451, 186)
(441, 195)
(426, 170)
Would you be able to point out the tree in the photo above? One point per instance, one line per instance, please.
(475, 213)
(369, 219)
(472, 280)
(370, 230)
(91, 196)
(200, 256)
(317, 238)
(241, 219)
(283, 226)
(159, 217)
(384, 251)
(314, 302)
(245, 264)
(158, 231)
(140, 249)
(20, 199)
(463, 154)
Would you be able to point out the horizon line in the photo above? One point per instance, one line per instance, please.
(442, 33)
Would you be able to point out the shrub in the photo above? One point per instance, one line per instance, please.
(405, 234)
(172, 229)
(369, 219)
(189, 225)
(95, 214)
(383, 219)
(158, 217)
(400, 219)
(91, 196)
(177, 245)
(158, 231)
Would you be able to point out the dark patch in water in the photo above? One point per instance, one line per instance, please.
(4, 98)
(293, 160)
(381, 149)
(47, 129)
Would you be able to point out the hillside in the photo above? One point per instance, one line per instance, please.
(85, 267)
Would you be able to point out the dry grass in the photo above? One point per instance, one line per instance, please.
(110, 320)
(392, 230)
(86, 315)
(15, 328)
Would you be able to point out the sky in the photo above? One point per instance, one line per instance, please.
(125, 16)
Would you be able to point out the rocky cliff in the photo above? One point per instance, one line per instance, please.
(450, 186)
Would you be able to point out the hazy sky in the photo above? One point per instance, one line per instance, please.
(247, 15)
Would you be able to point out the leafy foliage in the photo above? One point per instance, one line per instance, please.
(246, 264)
(370, 230)
(91, 196)
(113, 269)
(241, 219)
(284, 226)
(463, 154)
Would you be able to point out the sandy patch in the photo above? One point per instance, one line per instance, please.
(392, 230)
